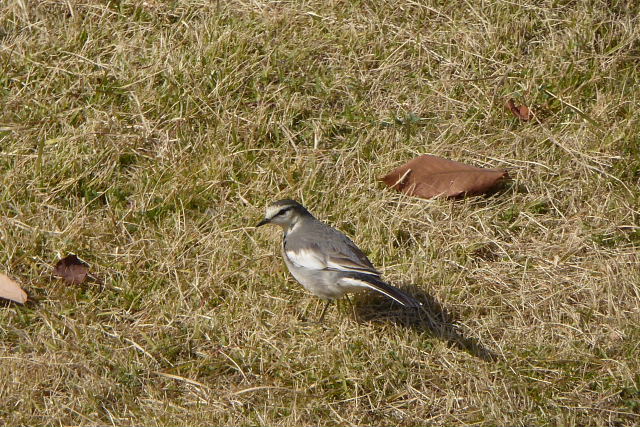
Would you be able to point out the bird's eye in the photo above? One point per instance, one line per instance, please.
(282, 211)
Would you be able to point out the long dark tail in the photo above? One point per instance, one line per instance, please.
(375, 283)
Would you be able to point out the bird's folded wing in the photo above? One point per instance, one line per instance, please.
(307, 258)
(313, 258)
(350, 264)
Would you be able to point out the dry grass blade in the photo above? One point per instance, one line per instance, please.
(179, 378)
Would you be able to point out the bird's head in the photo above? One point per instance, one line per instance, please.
(283, 213)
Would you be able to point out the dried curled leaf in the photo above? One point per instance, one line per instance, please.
(520, 111)
(72, 270)
(10, 289)
(430, 176)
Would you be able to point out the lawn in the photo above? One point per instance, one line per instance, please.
(147, 138)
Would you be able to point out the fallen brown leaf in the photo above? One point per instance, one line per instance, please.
(10, 289)
(430, 176)
(72, 270)
(520, 111)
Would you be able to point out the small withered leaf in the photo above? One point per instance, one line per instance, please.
(72, 270)
(431, 176)
(520, 111)
(10, 289)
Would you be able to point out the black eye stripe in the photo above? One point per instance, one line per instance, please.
(282, 211)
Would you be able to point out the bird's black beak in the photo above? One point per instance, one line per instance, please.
(263, 222)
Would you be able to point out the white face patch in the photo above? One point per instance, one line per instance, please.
(272, 211)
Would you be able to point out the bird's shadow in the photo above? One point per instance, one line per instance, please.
(432, 317)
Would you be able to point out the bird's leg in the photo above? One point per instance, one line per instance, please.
(324, 310)
(303, 316)
(353, 308)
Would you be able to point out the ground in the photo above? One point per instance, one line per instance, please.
(147, 137)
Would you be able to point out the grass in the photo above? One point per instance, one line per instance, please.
(147, 137)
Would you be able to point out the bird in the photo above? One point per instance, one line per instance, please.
(324, 260)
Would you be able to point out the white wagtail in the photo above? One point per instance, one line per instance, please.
(325, 261)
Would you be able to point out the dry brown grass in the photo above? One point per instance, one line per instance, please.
(147, 138)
